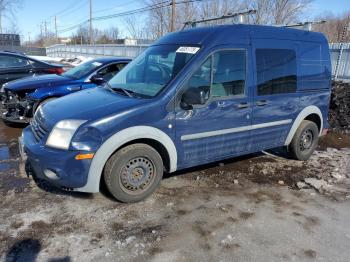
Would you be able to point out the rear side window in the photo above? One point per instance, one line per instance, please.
(276, 71)
(12, 61)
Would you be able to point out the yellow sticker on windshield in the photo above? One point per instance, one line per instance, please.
(187, 49)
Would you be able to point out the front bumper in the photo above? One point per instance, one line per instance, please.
(70, 173)
(15, 111)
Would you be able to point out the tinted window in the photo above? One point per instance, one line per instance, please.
(110, 71)
(202, 78)
(153, 69)
(276, 71)
(82, 69)
(36, 63)
(228, 73)
(12, 61)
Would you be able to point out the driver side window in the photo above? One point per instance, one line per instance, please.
(222, 75)
(110, 71)
(201, 79)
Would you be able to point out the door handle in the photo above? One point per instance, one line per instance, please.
(261, 103)
(243, 105)
(221, 104)
(74, 88)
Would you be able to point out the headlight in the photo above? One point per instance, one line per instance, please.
(62, 133)
(2, 90)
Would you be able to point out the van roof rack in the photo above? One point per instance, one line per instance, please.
(305, 25)
(240, 16)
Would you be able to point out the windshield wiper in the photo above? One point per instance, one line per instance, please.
(127, 92)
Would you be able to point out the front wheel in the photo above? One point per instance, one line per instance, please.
(304, 141)
(133, 172)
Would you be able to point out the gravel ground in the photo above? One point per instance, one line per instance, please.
(261, 207)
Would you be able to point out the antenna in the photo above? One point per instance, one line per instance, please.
(240, 16)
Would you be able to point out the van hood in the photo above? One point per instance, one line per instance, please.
(35, 82)
(91, 104)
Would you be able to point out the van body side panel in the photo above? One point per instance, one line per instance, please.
(314, 66)
(273, 106)
(219, 129)
(315, 73)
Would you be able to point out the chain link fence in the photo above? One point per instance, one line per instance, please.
(72, 51)
(343, 67)
(28, 50)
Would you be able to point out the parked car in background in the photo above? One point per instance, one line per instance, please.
(15, 65)
(22, 97)
(195, 96)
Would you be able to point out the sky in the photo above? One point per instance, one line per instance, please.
(70, 12)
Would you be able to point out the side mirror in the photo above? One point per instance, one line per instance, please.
(97, 79)
(193, 96)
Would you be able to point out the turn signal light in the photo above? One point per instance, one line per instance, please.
(84, 156)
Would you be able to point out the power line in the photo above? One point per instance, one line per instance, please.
(78, 8)
(90, 23)
(65, 9)
(116, 6)
(139, 10)
(130, 12)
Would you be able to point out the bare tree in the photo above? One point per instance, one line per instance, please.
(160, 18)
(113, 33)
(277, 12)
(8, 9)
(135, 27)
(218, 8)
(334, 26)
(288, 11)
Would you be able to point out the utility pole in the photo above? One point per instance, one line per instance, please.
(41, 30)
(56, 29)
(90, 29)
(29, 38)
(173, 15)
(0, 22)
(45, 29)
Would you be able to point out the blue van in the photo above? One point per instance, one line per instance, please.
(195, 96)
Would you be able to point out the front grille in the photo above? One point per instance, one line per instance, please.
(38, 128)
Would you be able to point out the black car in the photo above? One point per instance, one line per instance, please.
(14, 66)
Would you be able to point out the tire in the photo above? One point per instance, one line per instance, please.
(304, 141)
(133, 173)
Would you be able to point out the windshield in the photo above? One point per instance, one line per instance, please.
(82, 69)
(151, 71)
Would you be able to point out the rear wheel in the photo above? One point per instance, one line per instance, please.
(133, 173)
(304, 141)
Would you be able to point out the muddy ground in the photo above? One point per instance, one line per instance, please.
(262, 207)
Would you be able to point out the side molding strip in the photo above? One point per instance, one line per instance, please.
(117, 140)
(234, 130)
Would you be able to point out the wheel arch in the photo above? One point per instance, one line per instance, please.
(312, 113)
(42, 100)
(146, 134)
